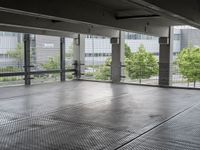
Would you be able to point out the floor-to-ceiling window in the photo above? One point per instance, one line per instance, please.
(11, 58)
(186, 57)
(97, 58)
(69, 58)
(141, 59)
(45, 56)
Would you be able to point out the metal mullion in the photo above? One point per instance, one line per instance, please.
(27, 59)
(62, 59)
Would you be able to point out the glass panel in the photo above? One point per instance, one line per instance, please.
(97, 58)
(69, 58)
(11, 53)
(141, 59)
(46, 78)
(11, 57)
(14, 80)
(45, 56)
(186, 57)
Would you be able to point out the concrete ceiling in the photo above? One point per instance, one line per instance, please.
(99, 17)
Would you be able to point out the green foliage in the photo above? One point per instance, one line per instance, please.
(188, 61)
(89, 74)
(69, 76)
(17, 54)
(103, 72)
(5, 79)
(53, 63)
(128, 52)
(141, 65)
(10, 69)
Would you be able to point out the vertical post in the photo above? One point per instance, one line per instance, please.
(79, 55)
(116, 64)
(27, 59)
(122, 53)
(62, 59)
(166, 58)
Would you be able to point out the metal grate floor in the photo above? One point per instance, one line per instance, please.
(87, 115)
(180, 133)
(40, 134)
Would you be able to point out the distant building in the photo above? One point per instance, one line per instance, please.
(8, 42)
(190, 37)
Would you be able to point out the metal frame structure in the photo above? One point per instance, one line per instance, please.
(27, 64)
(62, 59)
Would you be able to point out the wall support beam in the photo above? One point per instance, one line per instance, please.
(166, 58)
(27, 66)
(62, 59)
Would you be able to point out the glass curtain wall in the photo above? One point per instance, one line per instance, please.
(141, 59)
(11, 57)
(69, 60)
(97, 58)
(45, 56)
(45, 63)
(186, 57)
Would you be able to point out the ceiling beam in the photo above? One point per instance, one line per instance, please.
(22, 29)
(185, 11)
(20, 23)
(85, 13)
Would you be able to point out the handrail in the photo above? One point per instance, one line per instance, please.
(9, 74)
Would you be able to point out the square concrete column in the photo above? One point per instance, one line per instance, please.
(166, 58)
(122, 54)
(79, 55)
(116, 61)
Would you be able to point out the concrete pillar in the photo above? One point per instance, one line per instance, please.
(27, 66)
(122, 54)
(116, 60)
(166, 58)
(62, 59)
(79, 55)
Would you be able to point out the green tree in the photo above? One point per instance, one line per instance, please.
(128, 52)
(53, 63)
(188, 61)
(17, 54)
(141, 64)
(103, 72)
